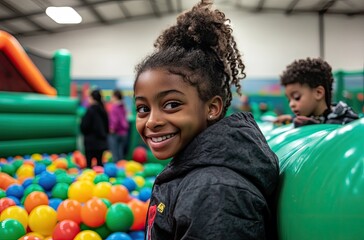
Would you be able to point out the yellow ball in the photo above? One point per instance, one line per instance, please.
(139, 180)
(102, 189)
(25, 171)
(81, 191)
(43, 220)
(17, 213)
(87, 235)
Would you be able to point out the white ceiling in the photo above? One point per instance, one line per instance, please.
(27, 17)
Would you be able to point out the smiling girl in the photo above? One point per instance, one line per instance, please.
(221, 181)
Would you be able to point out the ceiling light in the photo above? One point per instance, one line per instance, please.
(63, 15)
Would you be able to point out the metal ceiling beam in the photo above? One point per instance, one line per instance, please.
(291, 6)
(17, 12)
(95, 12)
(124, 10)
(155, 8)
(260, 6)
(327, 5)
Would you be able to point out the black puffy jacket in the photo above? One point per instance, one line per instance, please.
(221, 187)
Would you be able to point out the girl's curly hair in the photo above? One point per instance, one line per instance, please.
(200, 47)
(311, 71)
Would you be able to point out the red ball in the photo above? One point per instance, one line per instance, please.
(140, 154)
(66, 230)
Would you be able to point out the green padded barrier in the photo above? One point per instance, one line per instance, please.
(30, 146)
(13, 102)
(27, 126)
(62, 72)
(321, 189)
(276, 131)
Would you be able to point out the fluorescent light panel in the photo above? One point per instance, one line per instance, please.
(64, 15)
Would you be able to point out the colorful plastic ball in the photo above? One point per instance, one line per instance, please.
(119, 217)
(102, 189)
(139, 180)
(16, 190)
(26, 182)
(145, 194)
(8, 169)
(93, 212)
(54, 203)
(106, 201)
(2, 193)
(36, 156)
(15, 199)
(118, 193)
(17, 213)
(101, 178)
(5, 203)
(35, 199)
(81, 191)
(66, 230)
(139, 210)
(30, 238)
(47, 180)
(110, 169)
(33, 235)
(140, 154)
(129, 183)
(137, 235)
(132, 167)
(39, 168)
(60, 190)
(43, 220)
(87, 235)
(103, 231)
(11, 229)
(69, 209)
(119, 236)
(32, 188)
(98, 169)
(25, 171)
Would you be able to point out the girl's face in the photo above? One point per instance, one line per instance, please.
(169, 112)
(305, 101)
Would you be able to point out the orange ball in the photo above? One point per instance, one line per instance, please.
(118, 193)
(93, 213)
(69, 209)
(139, 209)
(35, 199)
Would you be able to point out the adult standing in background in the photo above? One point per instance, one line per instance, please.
(95, 128)
(118, 126)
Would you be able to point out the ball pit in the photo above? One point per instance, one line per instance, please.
(56, 197)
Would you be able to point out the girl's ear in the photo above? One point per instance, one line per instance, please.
(319, 93)
(215, 106)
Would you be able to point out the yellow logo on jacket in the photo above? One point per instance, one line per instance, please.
(161, 207)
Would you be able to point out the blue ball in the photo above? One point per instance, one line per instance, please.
(47, 180)
(54, 203)
(129, 183)
(27, 182)
(137, 235)
(15, 190)
(145, 194)
(39, 168)
(110, 169)
(119, 236)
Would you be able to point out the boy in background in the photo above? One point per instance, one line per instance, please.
(308, 87)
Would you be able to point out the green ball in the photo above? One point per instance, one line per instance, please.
(102, 177)
(60, 190)
(321, 188)
(119, 217)
(8, 169)
(11, 229)
(2, 193)
(32, 188)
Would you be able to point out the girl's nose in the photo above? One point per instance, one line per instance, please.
(154, 121)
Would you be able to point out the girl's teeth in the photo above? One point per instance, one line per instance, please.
(160, 139)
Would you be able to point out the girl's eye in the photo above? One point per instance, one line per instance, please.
(172, 105)
(297, 98)
(142, 109)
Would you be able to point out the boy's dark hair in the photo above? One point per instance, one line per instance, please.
(97, 96)
(311, 71)
(118, 94)
(201, 49)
